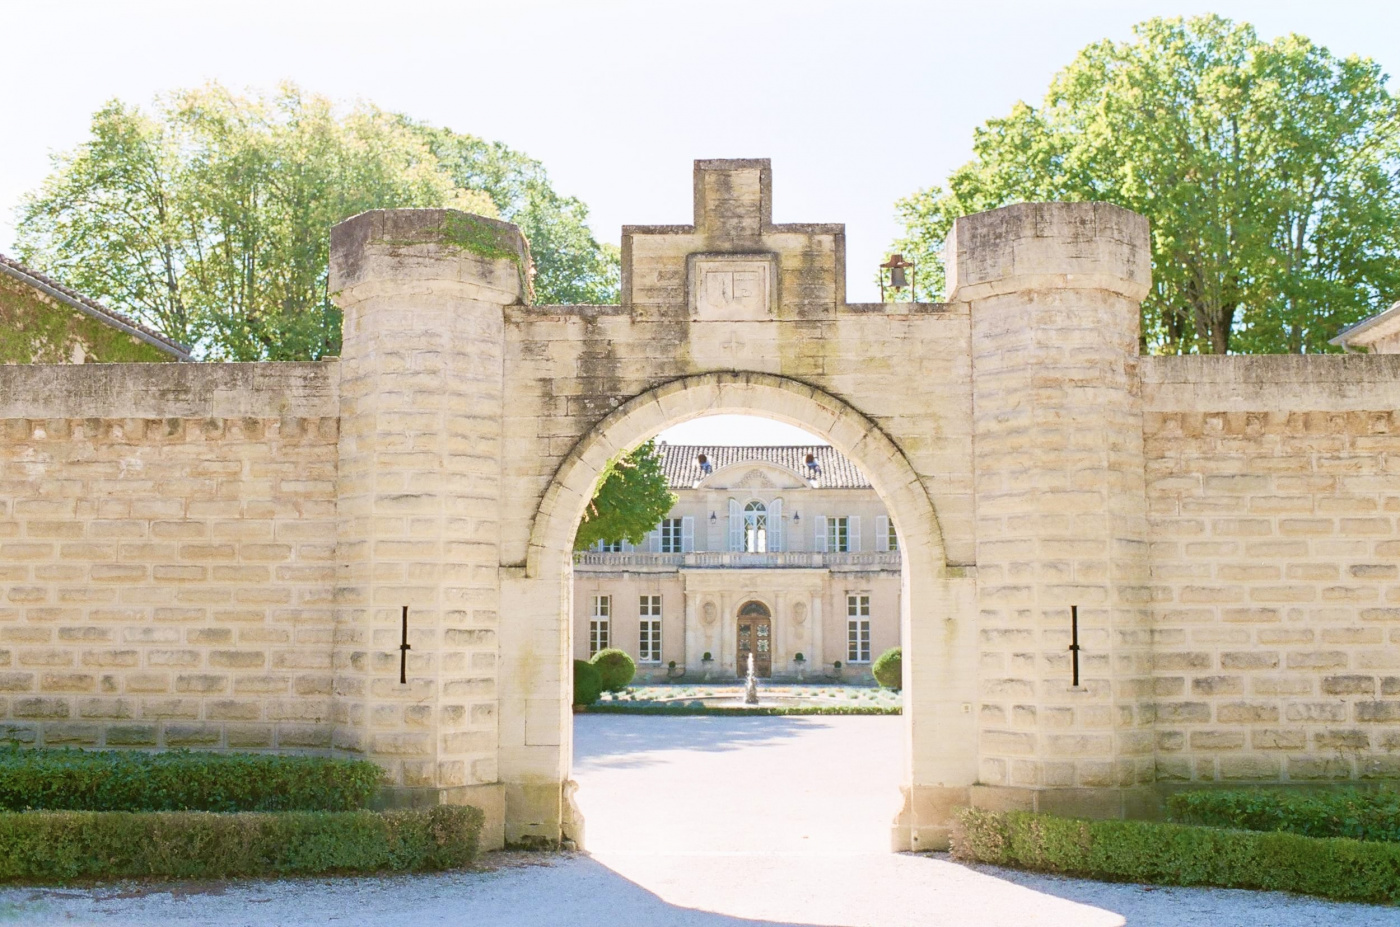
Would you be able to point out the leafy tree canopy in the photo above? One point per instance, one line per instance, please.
(631, 499)
(209, 216)
(1270, 172)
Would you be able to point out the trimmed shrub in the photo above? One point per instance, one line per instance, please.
(1347, 812)
(1178, 854)
(588, 683)
(180, 780)
(56, 846)
(889, 669)
(617, 668)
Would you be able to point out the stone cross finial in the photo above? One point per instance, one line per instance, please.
(733, 264)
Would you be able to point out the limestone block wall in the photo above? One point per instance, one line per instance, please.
(1274, 494)
(167, 539)
(420, 495)
(1057, 418)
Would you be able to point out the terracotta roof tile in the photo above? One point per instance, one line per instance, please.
(681, 462)
(91, 306)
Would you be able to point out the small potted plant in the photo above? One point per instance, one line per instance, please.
(836, 669)
(801, 662)
(705, 662)
(671, 671)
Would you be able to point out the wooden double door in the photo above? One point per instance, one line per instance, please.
(755, 636)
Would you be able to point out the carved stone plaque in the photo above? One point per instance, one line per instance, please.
(731, 288)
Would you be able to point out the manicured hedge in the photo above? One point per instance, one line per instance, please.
(617, 668)
(57, 846)
(80, 780)
(889, 669)
(588, 683)
(1177, 854)
(1347, 812)
(627, 708)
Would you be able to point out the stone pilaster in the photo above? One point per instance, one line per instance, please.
(419, 490)
(1054, 292)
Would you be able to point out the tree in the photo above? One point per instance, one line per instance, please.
(570, 265)
(210, 217)
(631, 499)
(1270, 173)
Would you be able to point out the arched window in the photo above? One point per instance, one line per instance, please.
(755, 528)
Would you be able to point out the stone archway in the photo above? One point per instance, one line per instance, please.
(936, 688)
(474, 424)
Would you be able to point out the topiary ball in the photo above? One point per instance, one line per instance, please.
(617, 668)
(889, 669)
(588, 683)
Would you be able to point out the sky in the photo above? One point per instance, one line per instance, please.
(856, 103)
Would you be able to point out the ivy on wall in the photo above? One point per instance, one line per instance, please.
(35, 329)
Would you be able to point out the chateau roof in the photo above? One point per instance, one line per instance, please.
(91, 307)
(681, 462)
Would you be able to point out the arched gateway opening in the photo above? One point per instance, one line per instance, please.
(1002, 431)
(936, 683)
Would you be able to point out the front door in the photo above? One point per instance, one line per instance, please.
(755, 637)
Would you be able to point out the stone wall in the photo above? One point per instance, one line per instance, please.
(1274, 496)
(218, 555)
(167, 538)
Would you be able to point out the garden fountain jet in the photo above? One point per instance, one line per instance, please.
(750, 685)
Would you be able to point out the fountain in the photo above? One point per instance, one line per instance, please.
(750, 685)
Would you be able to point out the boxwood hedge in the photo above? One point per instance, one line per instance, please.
(1345, 812)
(1178, 854)
(60, 846)
(80, 780)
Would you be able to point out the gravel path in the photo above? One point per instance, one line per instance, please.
(707, 822)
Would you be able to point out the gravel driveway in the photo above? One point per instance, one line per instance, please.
(708, 822)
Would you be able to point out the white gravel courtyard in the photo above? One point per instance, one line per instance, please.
(707, 822)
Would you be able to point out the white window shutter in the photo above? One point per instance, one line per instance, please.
(687, 534)
(882, 533)
(654, 541)
(628, 546)
(819, 534)
(854, 533)
(736, 526)
(775, 526)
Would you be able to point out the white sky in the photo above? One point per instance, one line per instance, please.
(857, 103)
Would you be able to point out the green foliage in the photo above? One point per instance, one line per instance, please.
(209, 217)
(631, 499)
(570, 265)
(1175, 854)
(588, 683)
(1346, 812)
(79, 780)
(889, 668)
(616, 668)
(34, 330)
(1270, 172)
(56, 846)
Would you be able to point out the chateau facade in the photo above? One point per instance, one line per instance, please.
(783, 552)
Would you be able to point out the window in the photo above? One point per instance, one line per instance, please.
(858, 628)
(599, 637)
(608, 547)
(649, 633)
(891, 537)
(671, 536)
(755, 528)
(838, 534)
